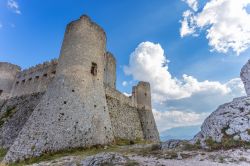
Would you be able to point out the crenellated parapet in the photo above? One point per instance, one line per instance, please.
(35, 79)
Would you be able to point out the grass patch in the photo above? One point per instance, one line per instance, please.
(131, 163)
(248, 131)
(122, 142)
(10, 111)
(226, 143)
(189, 147)
(2, 153)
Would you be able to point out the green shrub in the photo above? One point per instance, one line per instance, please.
(2, 153)
(227, 142)
(10, 111)
(248, 131)
(188, 146)
(213, 145)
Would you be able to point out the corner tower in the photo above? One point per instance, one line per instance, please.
(8, 74)
(73, 112)
(142, 97)
(110, 70)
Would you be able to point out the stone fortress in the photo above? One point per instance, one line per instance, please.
(71, 102)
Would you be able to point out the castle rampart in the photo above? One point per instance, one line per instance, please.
(35, 79)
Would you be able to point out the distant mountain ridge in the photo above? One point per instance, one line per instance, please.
(185, 133)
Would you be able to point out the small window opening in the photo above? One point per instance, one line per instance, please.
(145, 94)
(53, 72)
(30, 79)
(65, 102)
(1, 91)
(73, 90)
(37, 77)
(45, 75)
(17, 82)
(94, 69)
(23, 81)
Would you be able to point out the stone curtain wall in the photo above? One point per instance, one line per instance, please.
(124, 116)
(35, 79)
(13, 115)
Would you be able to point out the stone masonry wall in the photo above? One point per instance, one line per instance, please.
(13, 115)
(8, 74)
(110, 70)
(34, 79)
(125, 119)
(142, 95)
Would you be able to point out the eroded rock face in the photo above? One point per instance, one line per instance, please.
(245, 77)
(230, 119)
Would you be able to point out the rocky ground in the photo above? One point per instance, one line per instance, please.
(147, 155)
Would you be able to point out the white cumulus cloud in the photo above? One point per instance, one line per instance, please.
(227, 24)
(171, 119)
(179, 102)
(13, 5)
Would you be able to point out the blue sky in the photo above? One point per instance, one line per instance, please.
(32, 32)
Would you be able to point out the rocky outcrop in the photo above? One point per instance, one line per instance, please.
(229, 120)
(171, 144)
(245, 77)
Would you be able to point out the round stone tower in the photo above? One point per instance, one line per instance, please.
(142, 97)
(110, 70)
(8, 74)
(73, 112)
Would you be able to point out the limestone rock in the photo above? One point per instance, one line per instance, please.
(245, 77)
(231, 119)
(105, 159)
(171, 144)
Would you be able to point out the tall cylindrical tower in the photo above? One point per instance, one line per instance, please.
(8, 74)
(73, 112)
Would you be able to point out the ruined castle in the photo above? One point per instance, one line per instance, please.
(71, 102)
